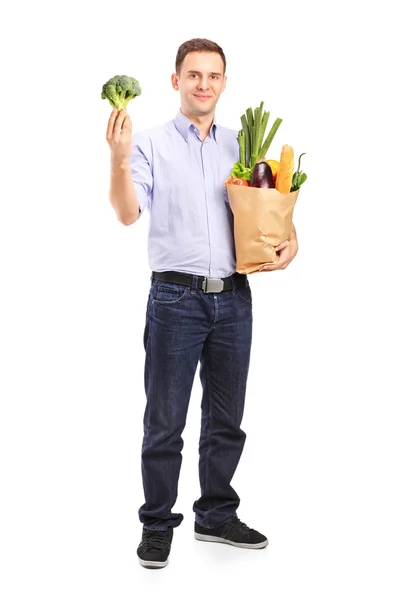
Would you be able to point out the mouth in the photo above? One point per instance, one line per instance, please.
(202, 96)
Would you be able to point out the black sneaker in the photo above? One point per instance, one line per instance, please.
(154, 549)
(233, 532)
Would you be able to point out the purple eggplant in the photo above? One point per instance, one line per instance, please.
(262, 176)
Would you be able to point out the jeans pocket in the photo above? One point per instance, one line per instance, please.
(245, 294)
(169, 293)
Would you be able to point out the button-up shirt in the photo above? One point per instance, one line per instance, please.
(180, 180)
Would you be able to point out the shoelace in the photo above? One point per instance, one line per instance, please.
(236, 525)
(154, 539)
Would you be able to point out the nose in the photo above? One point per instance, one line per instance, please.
(203, 83)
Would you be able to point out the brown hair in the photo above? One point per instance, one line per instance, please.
(197, 45)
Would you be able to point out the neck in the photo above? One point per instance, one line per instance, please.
(202, 122)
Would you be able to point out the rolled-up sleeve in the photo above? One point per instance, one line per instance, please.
(141, 165)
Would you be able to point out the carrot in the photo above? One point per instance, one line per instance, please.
(285, 172)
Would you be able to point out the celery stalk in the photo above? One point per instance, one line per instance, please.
(242, 147)
(252, 144)
(250, 117)
(250, 124)
(269, 138)
(246, 139)
(256, 142)
(259, 137)
(264, 122)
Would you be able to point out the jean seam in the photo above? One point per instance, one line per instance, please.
(148, 356)
(207, 463)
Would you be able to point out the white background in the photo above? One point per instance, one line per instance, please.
(319, 474)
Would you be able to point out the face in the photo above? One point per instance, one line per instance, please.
(200, 82)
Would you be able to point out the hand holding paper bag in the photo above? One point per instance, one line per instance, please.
(287, 251)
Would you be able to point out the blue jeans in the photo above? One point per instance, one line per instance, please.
(185, 325)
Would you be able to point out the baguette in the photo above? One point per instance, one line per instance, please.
(286, 169)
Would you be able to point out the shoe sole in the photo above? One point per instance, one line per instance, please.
(153, 564)
(211, 538)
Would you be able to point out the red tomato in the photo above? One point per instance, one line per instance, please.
(236, 181)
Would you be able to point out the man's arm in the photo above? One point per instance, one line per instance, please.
(122, 193)
(131, 177)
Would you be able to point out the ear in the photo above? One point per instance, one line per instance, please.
(175, 81)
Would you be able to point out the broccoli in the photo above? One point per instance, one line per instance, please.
(120, 90)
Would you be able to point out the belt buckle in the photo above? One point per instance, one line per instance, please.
(212, 285)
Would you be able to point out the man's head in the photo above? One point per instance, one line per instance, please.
(199, 76)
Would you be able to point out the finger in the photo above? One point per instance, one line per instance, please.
(287, 262)
(127, 124)
(111, 121)
(282, 245)
(118, 124)
(272, 267)
(119, 121)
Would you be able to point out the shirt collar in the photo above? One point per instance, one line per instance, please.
(183, 124)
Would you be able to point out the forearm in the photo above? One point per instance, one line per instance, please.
(122, 193)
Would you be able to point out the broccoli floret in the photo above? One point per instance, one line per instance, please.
(120, 90)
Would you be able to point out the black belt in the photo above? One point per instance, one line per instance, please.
(207, 284)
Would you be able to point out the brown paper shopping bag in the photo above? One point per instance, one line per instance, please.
(262, 220)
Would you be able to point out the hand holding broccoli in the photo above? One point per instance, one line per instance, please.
(120, 90)
(119, 137)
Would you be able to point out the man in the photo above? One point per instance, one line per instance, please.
(199, 308)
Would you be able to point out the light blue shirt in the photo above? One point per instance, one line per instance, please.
(180, 179)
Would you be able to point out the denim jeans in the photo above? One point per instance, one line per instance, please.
(185, 325)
